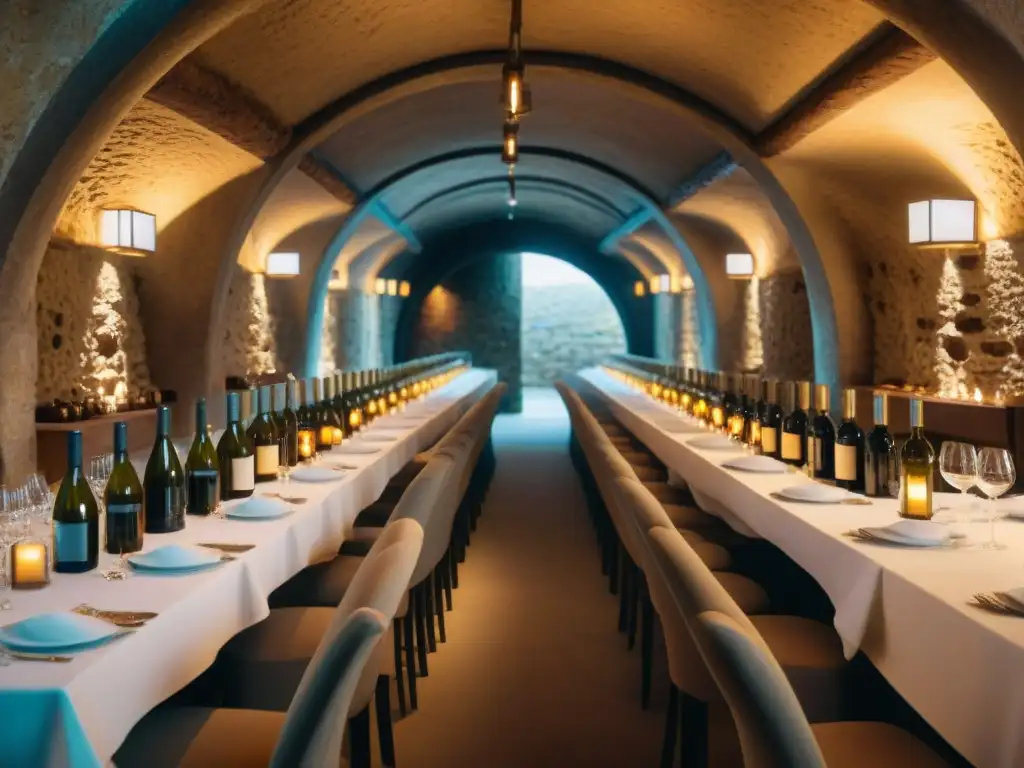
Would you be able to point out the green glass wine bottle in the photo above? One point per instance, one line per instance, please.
(202, 469)
(291, 422)
(76, 518)
(164, 482)
(266, 444)
(234, 452)
(122, 499)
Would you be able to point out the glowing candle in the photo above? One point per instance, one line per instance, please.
(977, 395)
(29, 565)
(307, 444)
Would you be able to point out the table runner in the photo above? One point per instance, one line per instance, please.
(907, 609)
(78, 714)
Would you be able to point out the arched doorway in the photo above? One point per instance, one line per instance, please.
(568, 321)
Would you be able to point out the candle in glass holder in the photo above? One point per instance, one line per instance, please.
(29, 565)
(717, 416)
(307, 444)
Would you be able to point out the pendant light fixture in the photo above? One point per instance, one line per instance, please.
(515, 96)
(510, 146)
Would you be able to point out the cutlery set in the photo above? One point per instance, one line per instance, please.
(286, 499)
(998, 602)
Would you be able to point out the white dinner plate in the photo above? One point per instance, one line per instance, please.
(714, 443)
(377, 437)
(913, 533)
(258, 508)
(174, 557)
(815, 493)
(316, 474)
(355, 449)
(56, 631)
(759, 464)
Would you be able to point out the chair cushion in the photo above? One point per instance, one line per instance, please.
(640, 458)
(748, 594)
(664, 492)
(366, 534)
(264, 664)
(714, 556)
(879, 745)
(197, 737)
(323, 584)
(685, 516)
(646, 474)
(811, 654)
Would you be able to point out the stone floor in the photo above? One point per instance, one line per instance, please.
(534, 672)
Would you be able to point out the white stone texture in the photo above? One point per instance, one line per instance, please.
(250, 347)
(565, 328)
(786, 339)
(89, 326)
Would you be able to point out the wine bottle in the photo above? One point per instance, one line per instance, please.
(202, 470)
(330, 424)
(266, 444)
(917, 464)
(822, 436)
(794, 426)
(369, 397)
(76, 518)
(338, 401)
(253, 402)
(234, 452)
(353, 416)
(290, 422)
(164, 482)
(122, 499)
(320, 418)
(382, 393)
(879, 451)
(849, 463)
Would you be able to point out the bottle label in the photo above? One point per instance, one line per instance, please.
(813, 452)
(791, 446)
(70, 542)
(267, 459)
(243, 476)
(846, 462)
(769, 440)
(124, 509)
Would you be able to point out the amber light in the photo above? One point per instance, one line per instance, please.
(307, 443)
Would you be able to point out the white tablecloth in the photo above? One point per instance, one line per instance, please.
(961, 668)
(78, 714)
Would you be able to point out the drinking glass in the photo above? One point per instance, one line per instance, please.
(958, 464)
(996, 475)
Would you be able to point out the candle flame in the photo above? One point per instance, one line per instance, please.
(977, 395)
(120, 389)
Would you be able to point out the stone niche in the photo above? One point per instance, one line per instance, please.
(784, 318)
(565, 328)
(478, 309)
(250, 346)
(89, 325)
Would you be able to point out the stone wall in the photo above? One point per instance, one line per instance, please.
(89, 326)
(787, 342)
(479, 309)
(250, 346)
(565, 328)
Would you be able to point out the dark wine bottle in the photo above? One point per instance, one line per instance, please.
(249, 420)
(822, 436)
(794, 426)
(338, 404)
(123, 500)
(164, 482)
(234, 453)
(353, 404)
(849, 464)
(202, 469)
(76, 518)
(879, 452)
(290, 422)
(266, 444)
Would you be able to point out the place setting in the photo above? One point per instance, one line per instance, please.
(55, 637)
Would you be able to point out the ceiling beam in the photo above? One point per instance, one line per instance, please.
(626, 228)
(720, 167)
(398, 226)
(209, 99)
(884, 58)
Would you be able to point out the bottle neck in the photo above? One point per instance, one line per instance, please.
(201, 419)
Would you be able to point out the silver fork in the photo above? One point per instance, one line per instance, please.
(992, 603)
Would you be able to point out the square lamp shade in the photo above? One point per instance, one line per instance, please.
(686, 283)
(282, 264)
(943, 222)
(392, 287)
(739, 265)
(128, 231)
(639, 289)
(380, 286)
(661, 284)
(404, 289)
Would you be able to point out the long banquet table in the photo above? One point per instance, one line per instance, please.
(908, 610)
(77, 714)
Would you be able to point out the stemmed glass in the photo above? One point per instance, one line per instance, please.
(958, 464)
(996, 475)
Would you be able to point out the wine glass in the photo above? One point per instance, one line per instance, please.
(996, 475)
(958, 464)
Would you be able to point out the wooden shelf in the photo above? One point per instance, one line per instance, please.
(97, 439)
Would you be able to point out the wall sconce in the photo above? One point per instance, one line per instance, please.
(380, 286)
(126, 231)
(661, 284)
(686, 284)
(404, 289)
(739, 265)
(392, 287)
(943, 223)
(515, 96)
(510, 146)
(639, 289)
(282, 264)
(655, 285)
